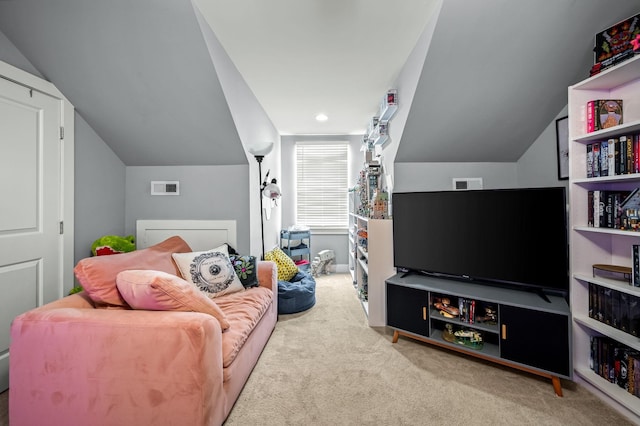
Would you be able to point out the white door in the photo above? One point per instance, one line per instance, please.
(30, 206)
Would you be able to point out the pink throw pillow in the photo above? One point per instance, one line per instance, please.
(97, 275)
(161, 291)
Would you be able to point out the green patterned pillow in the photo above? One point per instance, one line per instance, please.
(287, 268)
(246, 269)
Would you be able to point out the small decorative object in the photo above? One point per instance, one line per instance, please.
(323, 263)
(636, 43)
(447, 334)
(614, 272)
(469, 338)
(113, 244)
(444, 306)
(490, 317)
(616, 44)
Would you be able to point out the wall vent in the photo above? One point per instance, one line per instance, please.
(467, 183)
(165, 187)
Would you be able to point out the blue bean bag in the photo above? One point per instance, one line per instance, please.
(298, 294)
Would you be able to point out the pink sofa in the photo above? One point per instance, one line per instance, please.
(88, 360)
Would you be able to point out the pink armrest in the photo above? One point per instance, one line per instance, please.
(78, 364)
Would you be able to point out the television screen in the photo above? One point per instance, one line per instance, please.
(514, 237)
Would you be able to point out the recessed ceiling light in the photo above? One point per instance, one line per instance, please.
(321, 117)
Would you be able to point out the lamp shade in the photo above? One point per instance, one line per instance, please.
(272, 190)
(261, 150)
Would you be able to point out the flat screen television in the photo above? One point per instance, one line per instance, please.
(506, 237)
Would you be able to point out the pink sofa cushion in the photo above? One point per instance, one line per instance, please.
(161, 291)
(243, 310)
(97, 275)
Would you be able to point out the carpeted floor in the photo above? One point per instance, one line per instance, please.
(325, 366)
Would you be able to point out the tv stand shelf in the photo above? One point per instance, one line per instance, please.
(529, 333)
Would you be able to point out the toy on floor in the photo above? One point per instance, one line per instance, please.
(323, 262)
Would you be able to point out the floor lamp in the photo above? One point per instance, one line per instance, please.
(259, 154)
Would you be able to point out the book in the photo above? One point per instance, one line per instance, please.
(590, 204)
(615, 309)
(635, 265)
(599, 314)
(595, 148)
(630, 374)
(590, 160)
(630, 154)
(608, 307)
(612, 155)
(634, 315)
(593, 294)
(603, 113)
(616, 154)
(636, 153)
(596, 208)
(624, 311)
(622, 156)
(604, 158)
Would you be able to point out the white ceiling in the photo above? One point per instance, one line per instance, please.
(301, 58)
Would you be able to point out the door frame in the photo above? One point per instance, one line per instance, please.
(67, 116)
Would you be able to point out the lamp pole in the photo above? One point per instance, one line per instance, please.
(259, 160)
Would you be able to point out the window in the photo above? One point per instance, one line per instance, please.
(321, 185)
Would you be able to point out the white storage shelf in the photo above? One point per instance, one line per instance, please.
(374, 264)
(591, 245)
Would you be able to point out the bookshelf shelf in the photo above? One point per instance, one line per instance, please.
(593, 245)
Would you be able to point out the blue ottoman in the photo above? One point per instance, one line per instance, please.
(298, 294)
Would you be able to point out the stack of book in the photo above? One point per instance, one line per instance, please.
(616, 363)
(613, 209)
(618, 309)
(614, 156)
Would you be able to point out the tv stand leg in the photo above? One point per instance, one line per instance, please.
(557, 387)
(396, 335)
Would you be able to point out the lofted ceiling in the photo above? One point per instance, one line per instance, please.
(495, 75)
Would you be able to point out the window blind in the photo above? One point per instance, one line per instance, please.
(321, 184)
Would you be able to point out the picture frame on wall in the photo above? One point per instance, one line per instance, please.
(562, 144)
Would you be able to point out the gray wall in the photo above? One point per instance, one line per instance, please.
(206, 193)
(99, 174)
(538, 165)
(99, 190)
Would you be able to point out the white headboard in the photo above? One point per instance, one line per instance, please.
(199, 234)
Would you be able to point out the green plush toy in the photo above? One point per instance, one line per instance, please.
(113, 244)
(109, 244)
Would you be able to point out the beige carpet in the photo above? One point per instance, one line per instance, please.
(325, 366)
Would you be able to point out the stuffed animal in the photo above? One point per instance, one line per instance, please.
(113, 244)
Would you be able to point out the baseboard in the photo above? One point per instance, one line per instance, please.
(342, 268)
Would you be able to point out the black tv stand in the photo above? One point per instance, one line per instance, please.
(542, 295)
(530, 330)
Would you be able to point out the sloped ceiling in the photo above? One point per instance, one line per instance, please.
(138, 72)
(496, 73)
